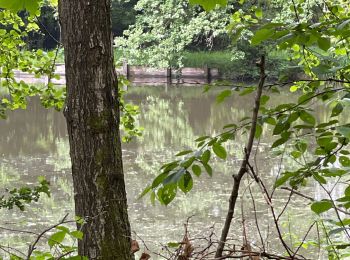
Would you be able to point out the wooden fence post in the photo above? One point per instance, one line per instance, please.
(126, 69)
(206, 73)
(168, 75)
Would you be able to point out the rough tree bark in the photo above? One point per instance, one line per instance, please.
(92, 116)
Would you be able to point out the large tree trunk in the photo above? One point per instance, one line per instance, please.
(92, 116)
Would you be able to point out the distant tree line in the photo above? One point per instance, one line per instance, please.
(48, 37)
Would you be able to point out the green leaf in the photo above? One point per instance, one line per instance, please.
(173, 244)
(321, 206)
(301, 146)
(262, 35)
(337, 109)
(336, 231)
(344, 222)
(279, 142)
(258, 13)
(174, 177)
(258, 131)
(202, 138)
(196, 170)
(293, 88)
(230, 126)
(17, 5)
(183, 153)
(285, 176)
(296, 154)
(77, 234)
(188, 162)
(209, 4)
(247, 91)
(144, 192)
(169, 166)
(206, 157)
(220, 151)
(307, 117)
(347, 191)
(159, 179)
(304, 99)
(208, 169)
(167, 193)
(344, 131)
(344, 199)
(344, 161)
(264, 99)
(186, 182)
(270, 120)
(324, 141)
(79, 220)
(319, 178)
(63, 228)
(282, 125)
(77, 257)
(223, 95)
(56, 238)
(324, 43)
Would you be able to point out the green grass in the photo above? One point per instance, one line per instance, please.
(221, 60)
(213, 59)
(239, 69)
(277, 64)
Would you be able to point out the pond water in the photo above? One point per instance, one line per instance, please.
(34, 142)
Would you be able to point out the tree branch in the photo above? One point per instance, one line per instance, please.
(243, 169)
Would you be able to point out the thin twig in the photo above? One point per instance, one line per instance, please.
(302, 242)
(33, 246)
(243, 169)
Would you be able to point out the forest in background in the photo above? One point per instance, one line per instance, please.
(311, 34)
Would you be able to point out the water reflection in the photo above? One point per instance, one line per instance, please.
(34, 142)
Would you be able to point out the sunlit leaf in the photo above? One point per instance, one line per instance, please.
(208, 169)
(261, 35)
(220, 151)
(167, 193)
(258, 13)
(307, 117)
(206, 156)
(183, 153)
(344, 161)
(17, 5)
(196, 170)
(77, 234)
(223, 95)
(186, 182)
(321, 206)
(324, 43)
(209, 4)
(337, 109)
(344, 131)
(283, 179)
(56, 238)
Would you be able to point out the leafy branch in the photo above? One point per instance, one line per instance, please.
(24, 195)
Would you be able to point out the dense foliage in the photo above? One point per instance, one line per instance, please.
(317, 37)
(311, 34)
(15, 55)
(163, 30)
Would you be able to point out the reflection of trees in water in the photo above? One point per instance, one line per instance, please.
(8, 174)
(60, 159)
(172, 120)
(166, 123)
(31, 131)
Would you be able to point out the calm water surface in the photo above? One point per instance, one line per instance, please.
(34, 142)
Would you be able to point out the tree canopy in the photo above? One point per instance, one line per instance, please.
(312, 34)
